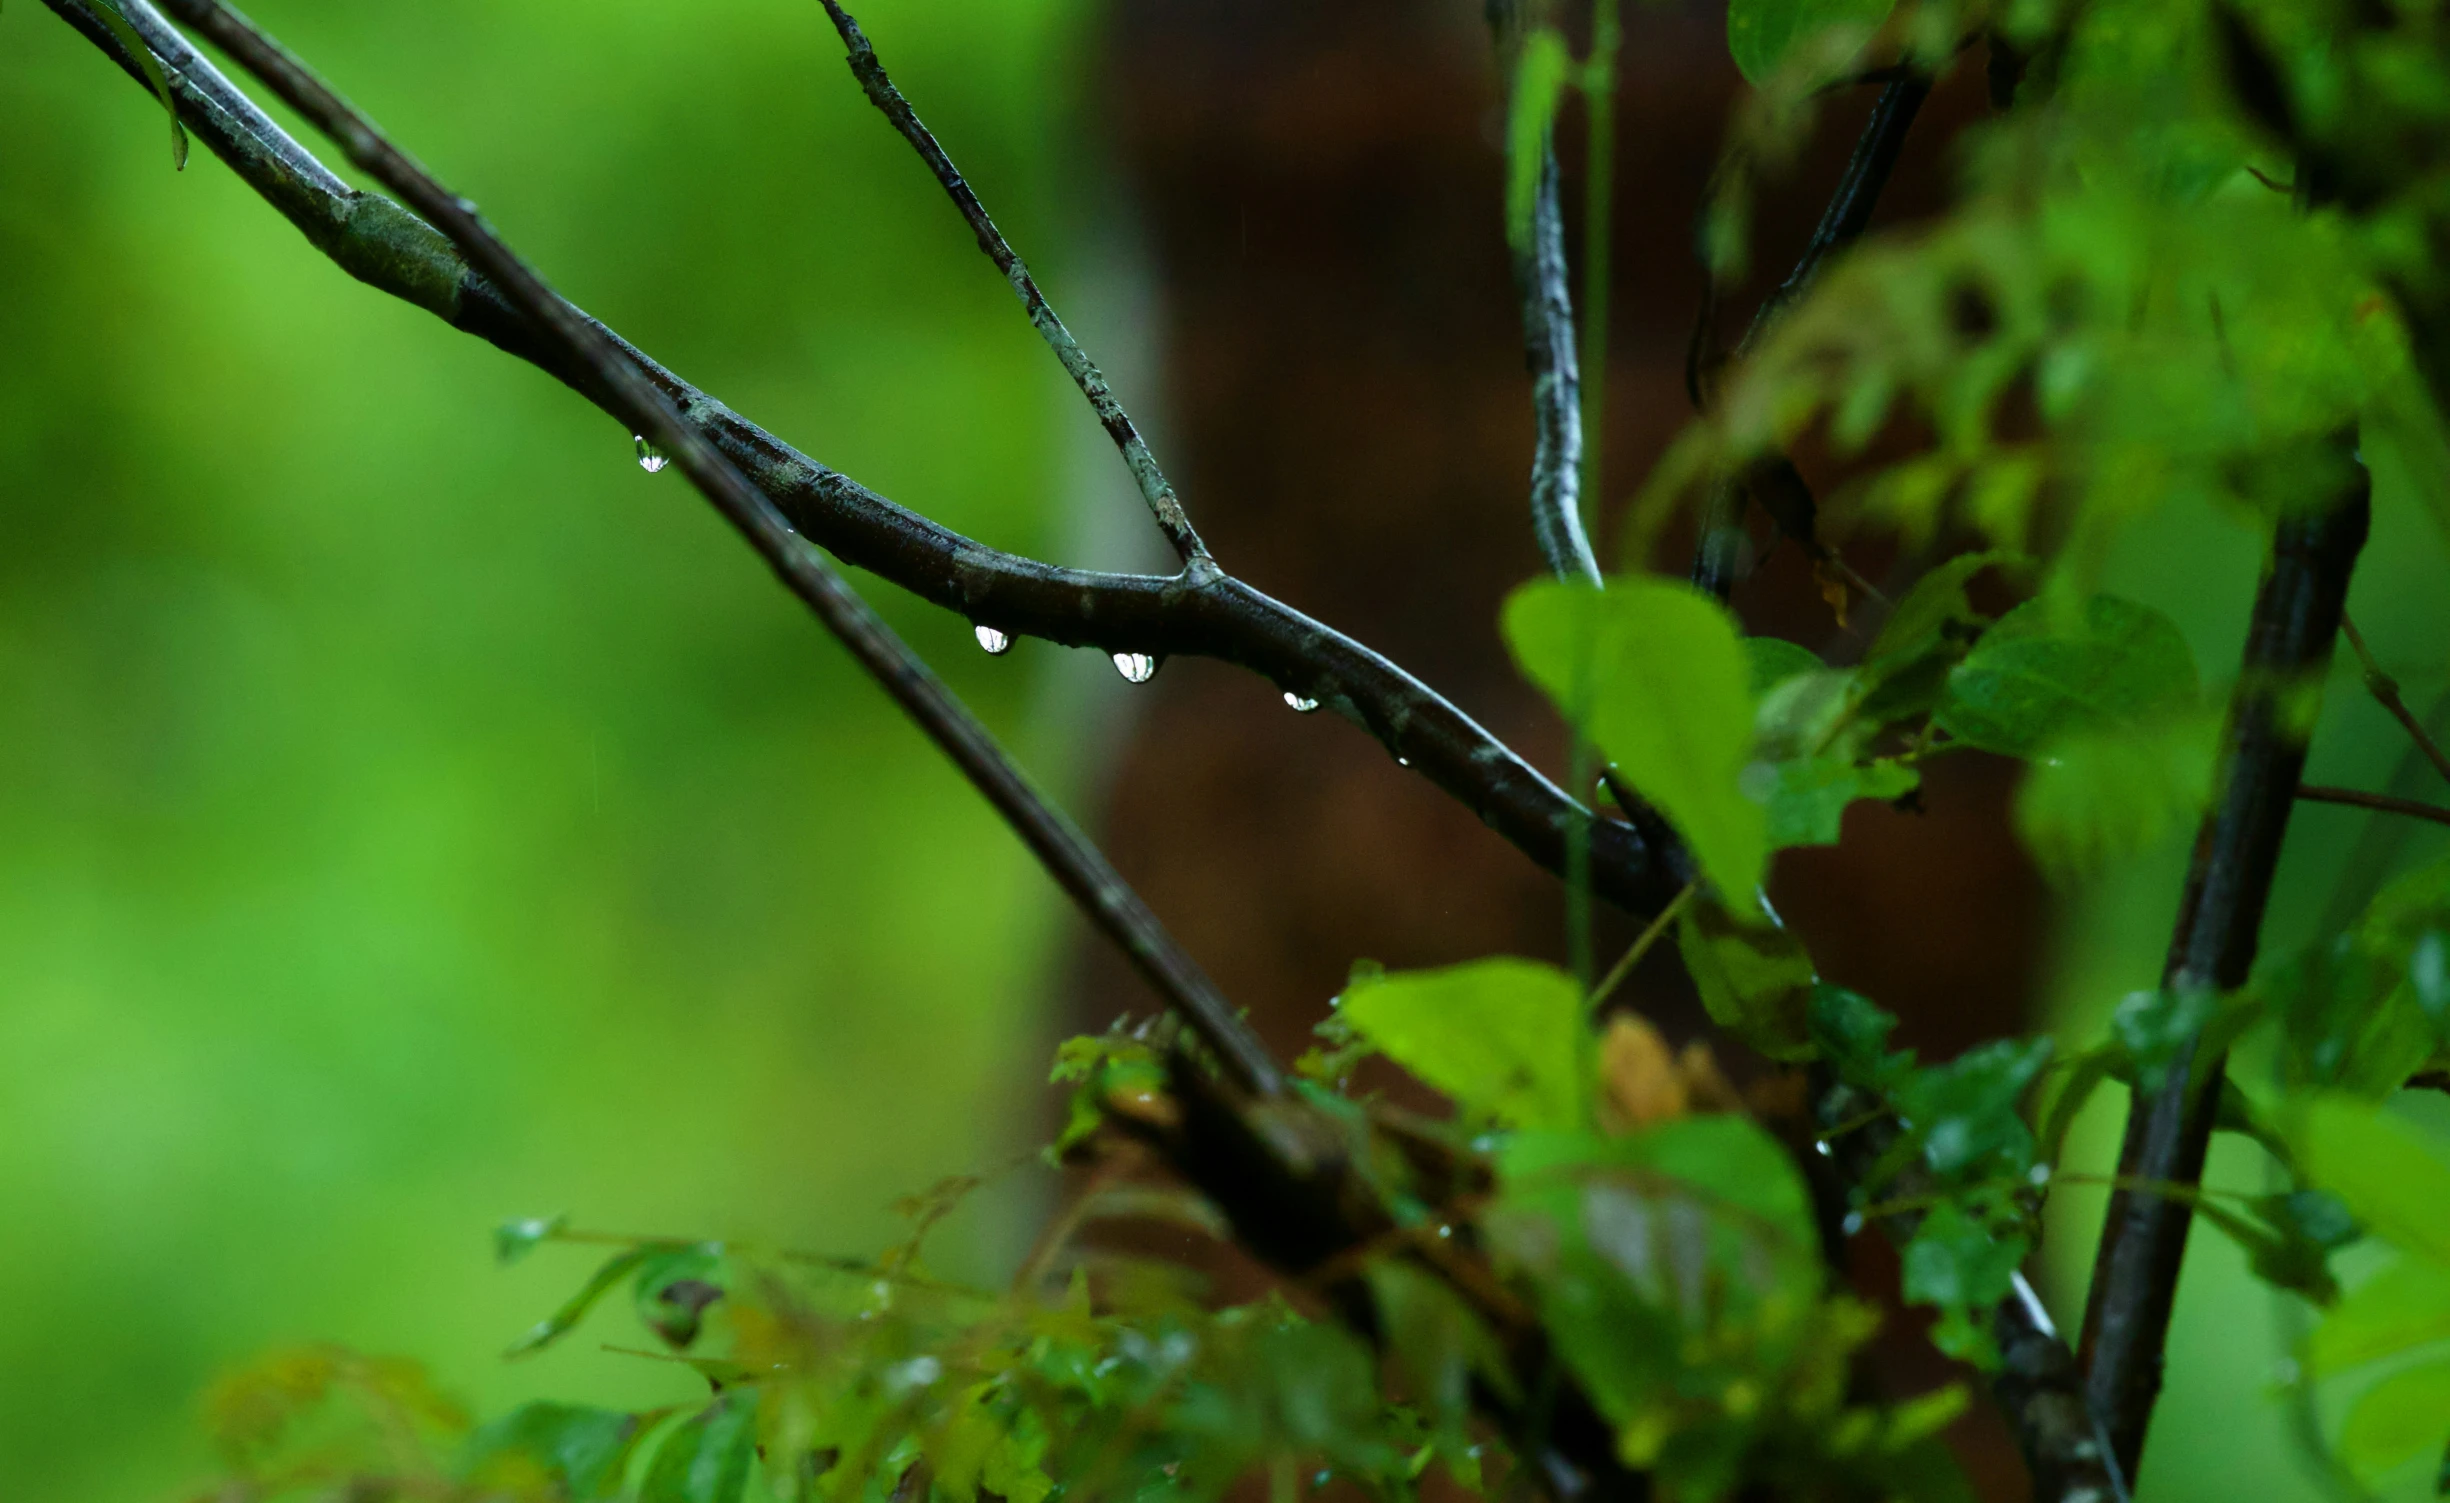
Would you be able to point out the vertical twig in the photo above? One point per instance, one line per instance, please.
(1556, 381)
(1155, 489)
(2143, 1243)
(1079, 867)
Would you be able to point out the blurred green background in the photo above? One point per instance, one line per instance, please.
(411, 813)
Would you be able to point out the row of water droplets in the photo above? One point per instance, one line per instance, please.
(1136, 667)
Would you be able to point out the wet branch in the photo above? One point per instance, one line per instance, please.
(2380, 803)
(1556, 403)
(1083, 872)
(1199, 612)
(1154, 487)
(2143, 1242)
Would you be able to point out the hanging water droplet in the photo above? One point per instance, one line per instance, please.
(1300, 705)
(650, 459)
(1853, 1222)
(1136, 667)
(1403, 761)
(995, 642)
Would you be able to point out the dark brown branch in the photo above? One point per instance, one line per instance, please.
(1841, 223)
(1200, 612)
(2385, 691)
(2288, 647)
(2381, 803)
(2038, 1385)
(1154, 488)
(1556, 378)
(1110, 905)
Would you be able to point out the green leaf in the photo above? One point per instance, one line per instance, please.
(513, 1240)
(573, 1310)
(1807, 797)
(1771, 661)
(1655, 674)
(709, 1457)
(2153, 1026)
(1959, 1264)
(1852, 1033)
(1756, 979)
(1540, 71)
(1965, 1111)
(1761, 33)
(1503, 1037)
(578, 1448)
(2405, 1306)
(1936, 607)
(1441, 1344)
(2404, 1416)
(2036, 678)
(107, 11)
(2388, 1176)
(674, 1287)
(2100, 795)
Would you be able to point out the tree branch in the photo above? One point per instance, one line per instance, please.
(2381, 803)
(1154, 488)
(1556, 378)
(1199, 612)
(2143, 1243)
(1077, 866)
(1774, 481)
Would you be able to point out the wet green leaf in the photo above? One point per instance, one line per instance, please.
(2387, 1175)
(1503, 1037)
(1656, 675)
(1852, 1033)
(1761, 33)
(1756, 979)
(2404, 1306)
(2103, 794)
(2046, 672)
(573, 1310)
(513, 1240)
(2153, 1026)
(2404, 1416)
(1540, 71)
(579, 1449)
(1965, 1111)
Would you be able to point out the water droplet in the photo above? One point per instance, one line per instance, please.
(1403, 761)
(650, 459)
(1821, 1147)
(1136, 667)
(1854, 1222)
(1300, 706)
(995, 642)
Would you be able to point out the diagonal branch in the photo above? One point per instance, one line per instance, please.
(1200, 612)
(2385, 690)
(2380, 803)
(2143, 1243)
(1774, 481)
(1083, 872)
(1154, 488)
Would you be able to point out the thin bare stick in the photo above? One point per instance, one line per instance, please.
(1641, 946)
(2380, 803)
(2385, 690)
(1154, 488)
(1108, 902)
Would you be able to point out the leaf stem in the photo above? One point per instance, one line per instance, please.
(1641, 945)
(2385, 689)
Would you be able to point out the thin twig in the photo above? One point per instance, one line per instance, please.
(1841, 223)
(1154, 488)
(1548, 349)
(1641, 946)
(2135, 1273)
(2385, 689)
(2382, 803)
(1107, 901)
(1201, 612)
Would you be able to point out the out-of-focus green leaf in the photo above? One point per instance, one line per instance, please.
(573, 1310)
(2289, 1239)
(2099, 795)
(579, 1449)
(1936, 606)
(1760, 33)
(2404, 1416)
(674, 1287)
(709, 1457)
(513, 1240)
(1959, 1264)
(1503, 1037)
(2153, 1026)
(1539, 87)
(1756, 979)
(1965, 1111)
(2045, 672)
(1771, 661)
(1807, 797)
(1852, 1033)
(2388, 1177)
(2404, 1306)
(1655, 673)
(1440, 1343)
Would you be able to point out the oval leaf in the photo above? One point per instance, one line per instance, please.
(2400, 1418)
(1760, 33)
(2045, 672)
(1503, 1037)
(2388, 1176)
